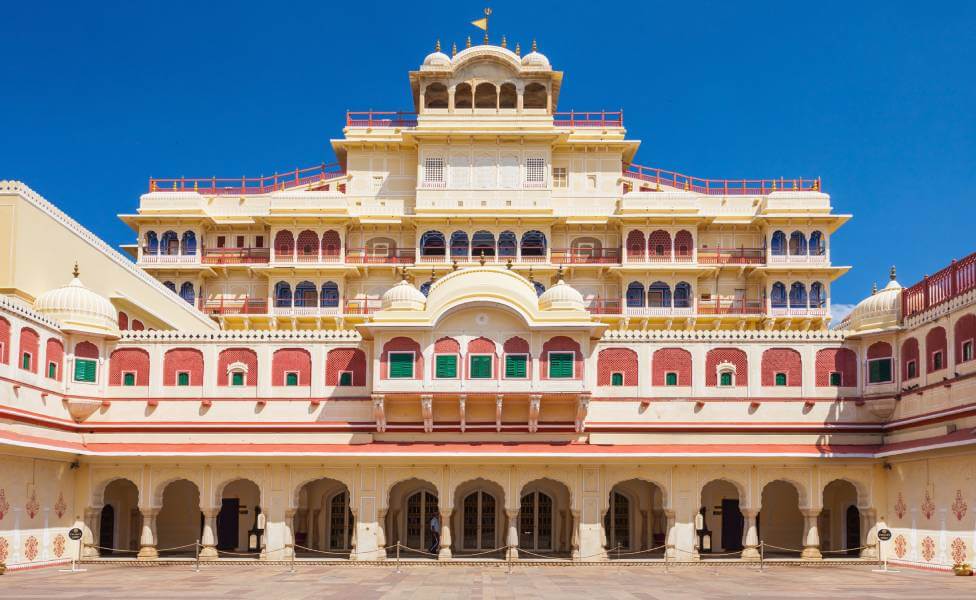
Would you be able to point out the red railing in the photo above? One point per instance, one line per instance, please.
(605, 306)
(659, 177)
(247, 306)
(248, 185)
(731, 307)
(731, 256)
(570, 256)
(588, 119)
(372, 118)
(956, 279)
(235, 256)
(363, 256)
(361, 307)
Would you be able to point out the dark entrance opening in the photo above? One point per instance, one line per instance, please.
(228, 524)
(106, 529)
(853, 529)
(732, 525)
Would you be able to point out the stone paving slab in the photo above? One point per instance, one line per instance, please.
(481, 583)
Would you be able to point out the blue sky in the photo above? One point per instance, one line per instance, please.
(877, 98)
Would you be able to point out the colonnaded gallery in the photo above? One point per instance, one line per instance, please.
(486, 311)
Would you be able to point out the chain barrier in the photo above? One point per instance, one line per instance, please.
(136, 551)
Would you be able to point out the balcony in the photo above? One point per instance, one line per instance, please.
(722, 187)
(248, 185)
(306, 311)
(640, 258)
(236, 256)
(575, 256)
(246, 306)
(363, 306)
(367, 256)
(405, 120)
(659, 311)
(602, 119)
(371, 119)
(607, 306)
(474, 259)
(731, 256)
(801, 311)
(168, 259)
(731, 307)
(799, 259)
(950, 282)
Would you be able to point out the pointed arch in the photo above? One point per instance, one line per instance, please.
(777, 245)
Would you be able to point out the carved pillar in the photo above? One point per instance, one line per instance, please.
(445, 550)
(92, 518)
(208, 540)
(381, 533)
(575, 541)
(354, 538)
(288, 540)
(811, 535)
(670, 535)
(750, 547)
(511, 539)
(869, 533)
(147, 540)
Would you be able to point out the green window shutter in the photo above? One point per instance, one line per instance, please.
(85, 370)
(781, 379)
(445, 366)
(671, 379)
(725, 379)
(879, 371)
(183, 379)
(480, 367)
(516, 366)
(835, 379)
(291, 379)
(52, 370)
(26, 362)
(561, 365)
(237, 378)
(616, 379)
(345, 378)
(401, 365)
(129, 379)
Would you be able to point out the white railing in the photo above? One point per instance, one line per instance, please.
(798, 258)
(782, 311)
(169, 259)
(659, 311)
(306, 311)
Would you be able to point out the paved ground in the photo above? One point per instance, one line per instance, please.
(481, 583)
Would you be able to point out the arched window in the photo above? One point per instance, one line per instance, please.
(508, 97)
(305, 295)
(331, 244)
(535, 96)
(152, 243)
(462, 96)
(798, 295)
(459, 244)
(284, 243)
(635, 294)
(435, 96)
(533, 243)
(659, 295)
(539, 288)
(682, 244)
(330, 295)
(483, 242)
(189, 243)
(818, 298)
(659, 244)
(485, 96)
(507, 244)
(170, 286)
(187, 292)
(432, 244)
(798, 243)
(682, 295)
(818, 245)
(778, 244)
(777, 297)
(282, 294)
(308, 244)
(635, 245)
(169, 244)
(425, 287)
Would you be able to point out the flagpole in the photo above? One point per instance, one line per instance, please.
(487, 14)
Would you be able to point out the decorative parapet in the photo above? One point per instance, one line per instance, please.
(18, 308)
(271, 335)
(711, 335)
(937, 312)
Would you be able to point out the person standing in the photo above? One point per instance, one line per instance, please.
(435, 534)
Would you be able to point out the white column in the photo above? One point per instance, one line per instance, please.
(512, 536)
(869, 533)
(207, 539)
(89, 532)
(147, 541)
(381, 533)
(750, 550)
(445, 550)
(670, 535)
(575, 539)
(811, 536)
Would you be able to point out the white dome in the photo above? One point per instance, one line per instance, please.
(403, 296)
(561, 296)
(536, 60)
(437, 59)
(881, 310)
(79, 309)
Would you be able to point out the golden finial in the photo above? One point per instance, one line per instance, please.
(504, 42)
(530, 274)
(508, 263)
(469, 42)
(774, 185)
(433, 275)
(453, 48)
(437, 47)
(559, 273)
(891, 273)
(454, 265)
(76, 272)
(534, 47)
(518, 49)
(403, 273)
(481, 259)
(816, 184)
(874, 288)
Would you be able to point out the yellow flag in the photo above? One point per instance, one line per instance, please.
(481, 24)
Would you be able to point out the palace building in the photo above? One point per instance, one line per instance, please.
(485, 311)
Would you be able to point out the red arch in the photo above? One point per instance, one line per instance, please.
(617, 360)
(4, 341)
(909, 352)
(401, 344)
(331, 243)
(447, 345)
(284, 242)
(935, 340)
(683, 244)
(879, 350)
(289, 360)
(636, 247)
(659, 244)
(123, 321)
(671, 360)
(86, 350)
(965, 330)
(561, 343)
(782, 360)
(308, 240)
(129, 359)
(245, 356)
(515, 345)
(736, 357)
(183, 359)
(482, 345)
(839, 360)
(55, 354)
(29, 342)
(345, 359)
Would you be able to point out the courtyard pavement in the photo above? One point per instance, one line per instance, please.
(481, 583)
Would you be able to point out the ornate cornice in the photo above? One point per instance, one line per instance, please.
(711, 335)
(13, 306)
(248, 335)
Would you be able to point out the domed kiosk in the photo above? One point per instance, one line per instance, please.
(79, 310)
(881, 311)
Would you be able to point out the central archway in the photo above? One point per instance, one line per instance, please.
(635, 521)
(544, 520)
(324, 522)
(413, 506)
(120, 522)
(479, 518)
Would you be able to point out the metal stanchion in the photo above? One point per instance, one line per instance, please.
(293, 552)
(398, 556)
(762, 554)
(196, 551)
(509, 553)
(666, 572)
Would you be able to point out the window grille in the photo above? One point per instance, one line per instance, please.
(434, 170)
(535, 171)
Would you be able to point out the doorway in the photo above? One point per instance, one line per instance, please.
(228, 524)
(732, 525)
(106, 529)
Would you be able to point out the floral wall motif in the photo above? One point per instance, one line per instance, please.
(4, 549)
(928, 507)
(60, 506)
(958, 551)
(959, 506)
(928, 548)
(58, 545)
(900, 508)
(4, 505)
(32, 506)
(30, 548)
(901, 546)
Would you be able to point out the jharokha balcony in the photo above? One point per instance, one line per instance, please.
(650, 179)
